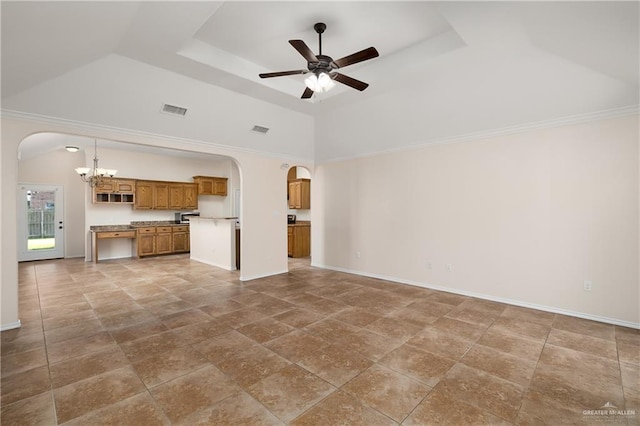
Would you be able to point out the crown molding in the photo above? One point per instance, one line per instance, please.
(520, 128)
(90, 128)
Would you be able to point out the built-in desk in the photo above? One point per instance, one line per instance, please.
(109, 234)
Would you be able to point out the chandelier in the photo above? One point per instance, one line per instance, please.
(95, 177)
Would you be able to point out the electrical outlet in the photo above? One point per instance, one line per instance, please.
(587, 285)
(358, 254)
(449, 267)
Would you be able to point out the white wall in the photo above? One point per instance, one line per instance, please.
(525, 218)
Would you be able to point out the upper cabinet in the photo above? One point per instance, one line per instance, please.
(115, 191)
(158, 195)
(183, 196)
(300, 194)
(209, 185)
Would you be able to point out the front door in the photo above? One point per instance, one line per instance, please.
(40, 224)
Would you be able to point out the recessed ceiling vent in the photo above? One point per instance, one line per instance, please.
(174, 110)
(260, 129)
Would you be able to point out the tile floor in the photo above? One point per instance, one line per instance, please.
(170, 341)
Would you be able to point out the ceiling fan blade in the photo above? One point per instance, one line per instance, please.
(349, 81)
(307, 93)
(304, 50)
(360, 56)
(281, 73)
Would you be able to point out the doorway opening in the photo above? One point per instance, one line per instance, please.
(40, 222)
(298, 214)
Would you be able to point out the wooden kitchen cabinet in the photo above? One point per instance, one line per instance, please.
(300, 194)
(144, 195)
(164, 244)
(115, 191)
(299, 239)
(190, 196)
(146, 241)
(155, 240)
(180, 239)
(210, 185)
(159, 195)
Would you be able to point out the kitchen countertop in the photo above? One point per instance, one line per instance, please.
(134, 225)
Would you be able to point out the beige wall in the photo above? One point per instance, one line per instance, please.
(525, 218)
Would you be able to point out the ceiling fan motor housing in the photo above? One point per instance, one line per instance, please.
(325, 63)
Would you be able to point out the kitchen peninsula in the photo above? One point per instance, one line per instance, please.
(213, 241)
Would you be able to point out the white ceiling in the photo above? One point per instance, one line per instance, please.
(590, 47)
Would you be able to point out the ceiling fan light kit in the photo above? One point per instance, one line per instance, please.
(322, 66)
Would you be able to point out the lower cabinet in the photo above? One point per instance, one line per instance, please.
(180, 239)
(155, 240)
(146, 241)
(299, 239)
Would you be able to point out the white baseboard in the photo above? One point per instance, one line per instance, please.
(255, 277)
(11, 326)
(551, 309)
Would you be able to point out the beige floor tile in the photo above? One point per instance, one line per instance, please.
(391, 393)
(265, 330)
(193, 392)
(340, 408)
(126, 319)
(25, 384)
(290, 391)
(37, 410)
(521, 327)
(84, 328)
(495, 362)
(138, 410)
(138, 331)
(79, 346)
(460, 327)
(83, 367)
(184, 318)
(629, 351)
(440, 342)
(418, 364)
(335, 364)
(168, 365)
(239, 409)
(156, 344)
(96, 392)
(439, 408)
(513, 344)
(394, 328)
(23, 361)
(485, 391)
(356, 316)
(431, 307)
(296, 345)
(583, 343)
(530, 315)
(224, 346)
(252, 365)
(298, 317)
(583, 326)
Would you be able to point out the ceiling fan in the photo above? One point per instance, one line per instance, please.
(322, 66)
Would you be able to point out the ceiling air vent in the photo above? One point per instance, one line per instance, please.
(175, 110)
(260, 129)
